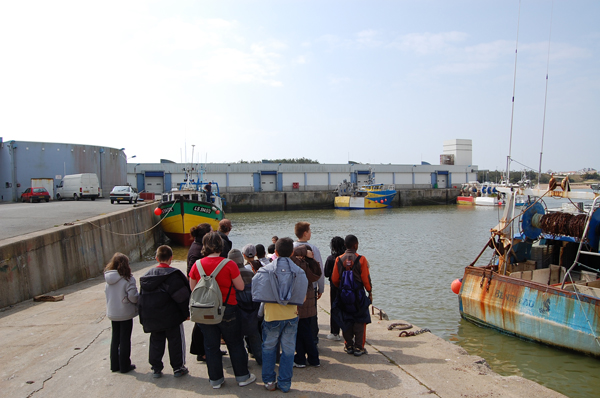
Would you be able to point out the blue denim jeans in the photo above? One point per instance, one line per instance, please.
(274, 333)
(231, 330)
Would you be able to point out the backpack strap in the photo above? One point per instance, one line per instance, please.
(227, 298)
(200, 268)
(215, 272)
(220, 267)
(357, 262)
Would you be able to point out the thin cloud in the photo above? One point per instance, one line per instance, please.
(368, 38)
(237, 66)
(428, 43)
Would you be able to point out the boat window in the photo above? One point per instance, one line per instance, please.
(195, 196)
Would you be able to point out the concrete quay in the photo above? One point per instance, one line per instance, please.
(61, 349)
(38, 262)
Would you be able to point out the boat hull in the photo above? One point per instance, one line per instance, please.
(183, 214)
(465, 200)
(486, 201)
(531, 310)
(372, 201)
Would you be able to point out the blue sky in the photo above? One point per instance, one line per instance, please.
(368, 81)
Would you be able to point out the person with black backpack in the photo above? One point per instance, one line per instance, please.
(351, 306)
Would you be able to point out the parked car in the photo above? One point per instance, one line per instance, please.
(124, 193)
(35, 194)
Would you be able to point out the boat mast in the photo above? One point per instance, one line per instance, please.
(545, 97)
(508, 158)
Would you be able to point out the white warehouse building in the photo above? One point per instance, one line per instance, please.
(287, 177)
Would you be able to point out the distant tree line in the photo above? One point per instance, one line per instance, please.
(297, 160)
(591, 176)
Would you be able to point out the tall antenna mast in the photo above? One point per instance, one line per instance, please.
(545, 96)
(512, 114)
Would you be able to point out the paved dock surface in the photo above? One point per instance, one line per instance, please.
(61, 349)
(17, 219)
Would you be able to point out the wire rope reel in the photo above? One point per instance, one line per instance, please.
(530, 221)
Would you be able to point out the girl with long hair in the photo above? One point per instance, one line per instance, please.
(121, 307)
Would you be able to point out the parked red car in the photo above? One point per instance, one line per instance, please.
(36, 194)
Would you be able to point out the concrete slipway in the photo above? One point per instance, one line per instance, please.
(61, 349)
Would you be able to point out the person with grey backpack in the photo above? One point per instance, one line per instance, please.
(207, 307)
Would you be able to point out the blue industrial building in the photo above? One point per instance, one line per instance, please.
(23, 161)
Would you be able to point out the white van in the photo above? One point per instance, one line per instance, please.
(78, 186)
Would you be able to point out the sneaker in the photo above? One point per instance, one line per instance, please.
(271, 386)
(332, 336)
(315, 366)
(157, 374)
(250, 380)
(299, 365)
(219, 385)
(349, 350)
(359, 351)
(182, 371)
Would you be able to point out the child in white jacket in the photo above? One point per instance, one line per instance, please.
(121, 307)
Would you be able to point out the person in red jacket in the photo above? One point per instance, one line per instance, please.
(352, 317)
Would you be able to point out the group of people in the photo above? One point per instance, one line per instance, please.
(270, 304)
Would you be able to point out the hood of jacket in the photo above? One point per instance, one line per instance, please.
(112, 276)
(152, 281)
(281, 282)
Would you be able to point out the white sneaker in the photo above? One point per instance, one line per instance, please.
(250, 380)
(332, 336)
(216, 387)
(298, 365)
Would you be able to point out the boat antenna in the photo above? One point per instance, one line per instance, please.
(545, 95)
(512, 114)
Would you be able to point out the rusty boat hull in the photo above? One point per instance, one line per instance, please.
(531, 310)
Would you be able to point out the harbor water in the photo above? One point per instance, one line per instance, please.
(415, 253)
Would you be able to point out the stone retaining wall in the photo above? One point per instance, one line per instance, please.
(312, 200)
(40, 262)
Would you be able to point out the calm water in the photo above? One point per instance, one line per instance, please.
(415, 253)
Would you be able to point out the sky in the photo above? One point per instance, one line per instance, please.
(373, 81)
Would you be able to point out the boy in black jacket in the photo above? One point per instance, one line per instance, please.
(163, 306)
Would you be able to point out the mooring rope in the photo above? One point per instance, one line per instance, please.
(138, 233)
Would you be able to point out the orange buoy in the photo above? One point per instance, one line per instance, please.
(455, 286)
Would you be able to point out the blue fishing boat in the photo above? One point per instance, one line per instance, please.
(541, 282)
(368, 196)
